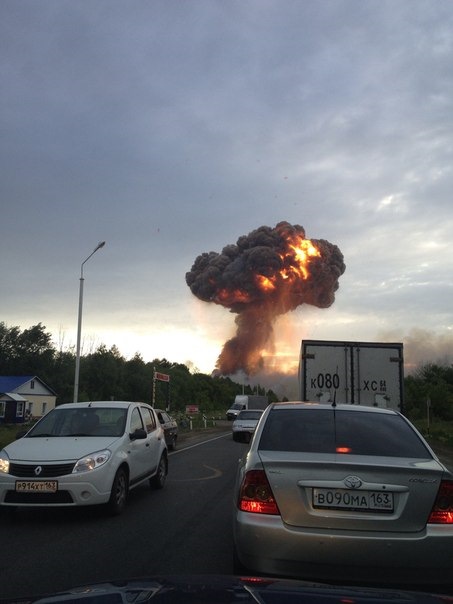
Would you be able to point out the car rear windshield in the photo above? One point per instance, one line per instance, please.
(250, 415)
(348, 432)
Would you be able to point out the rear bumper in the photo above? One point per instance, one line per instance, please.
(243, 430)
(265, 544)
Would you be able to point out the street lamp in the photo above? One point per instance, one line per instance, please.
(79, 323)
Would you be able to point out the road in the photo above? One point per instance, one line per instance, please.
(183, 529)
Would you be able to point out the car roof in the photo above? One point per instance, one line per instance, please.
(98, 404)
(337, 406)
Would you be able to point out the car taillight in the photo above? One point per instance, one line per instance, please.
(442, 512)
(256, 494)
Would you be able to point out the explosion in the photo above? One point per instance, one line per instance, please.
(267, 273)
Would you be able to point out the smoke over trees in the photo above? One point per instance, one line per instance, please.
(267, 273)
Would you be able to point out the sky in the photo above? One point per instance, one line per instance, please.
(171, 128)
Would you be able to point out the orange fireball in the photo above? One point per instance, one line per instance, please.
(264, 275)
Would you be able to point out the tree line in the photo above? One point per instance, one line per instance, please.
(430, 390)
(106, 375)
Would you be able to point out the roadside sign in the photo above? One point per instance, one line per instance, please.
(192, 409)
(163, 377)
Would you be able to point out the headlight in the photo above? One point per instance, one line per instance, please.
(4, 463)
(92, 461)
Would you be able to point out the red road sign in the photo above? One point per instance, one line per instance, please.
(163, 377)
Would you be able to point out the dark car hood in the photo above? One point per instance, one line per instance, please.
(218, 589)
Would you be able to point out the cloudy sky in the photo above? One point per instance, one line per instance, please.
(169, 128)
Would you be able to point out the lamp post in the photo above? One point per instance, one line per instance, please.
(79, 323)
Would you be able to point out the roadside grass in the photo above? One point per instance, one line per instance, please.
(8, 433)
(440, 431)
(198, 421)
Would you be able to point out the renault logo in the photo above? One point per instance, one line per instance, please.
(38, 470)
(352, 482)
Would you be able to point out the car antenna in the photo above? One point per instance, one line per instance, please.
(334, 403)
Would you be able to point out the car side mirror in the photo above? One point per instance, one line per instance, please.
(138, 434)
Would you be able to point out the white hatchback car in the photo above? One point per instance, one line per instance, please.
(85, 454)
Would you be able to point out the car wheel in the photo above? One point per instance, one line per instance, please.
(119, 492)
(158, 480)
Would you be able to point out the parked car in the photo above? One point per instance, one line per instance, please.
(343, 493)
(85, 454)
(244, 425)
(169, 426)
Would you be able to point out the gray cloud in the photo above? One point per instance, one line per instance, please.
(167, 128)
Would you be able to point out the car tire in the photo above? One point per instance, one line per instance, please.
(119, 493)
(158, 480)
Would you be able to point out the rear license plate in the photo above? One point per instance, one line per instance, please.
(343, 499)
(37, 486)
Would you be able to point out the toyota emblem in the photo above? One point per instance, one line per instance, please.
(352, 482)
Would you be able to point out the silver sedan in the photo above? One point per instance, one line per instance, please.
(343, 492)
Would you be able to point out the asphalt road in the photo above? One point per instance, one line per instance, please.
(183, 529)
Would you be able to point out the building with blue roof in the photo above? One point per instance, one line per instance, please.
(24, 397)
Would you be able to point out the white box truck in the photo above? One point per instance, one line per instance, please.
(358, 373)
(246, 401)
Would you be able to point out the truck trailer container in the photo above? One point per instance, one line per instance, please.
(357, 373)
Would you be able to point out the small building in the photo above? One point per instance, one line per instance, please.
(24, 397)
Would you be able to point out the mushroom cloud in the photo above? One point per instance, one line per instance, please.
(267, 273)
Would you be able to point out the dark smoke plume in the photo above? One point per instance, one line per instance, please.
(267, 273)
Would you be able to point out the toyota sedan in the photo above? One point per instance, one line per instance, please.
(343, 492)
